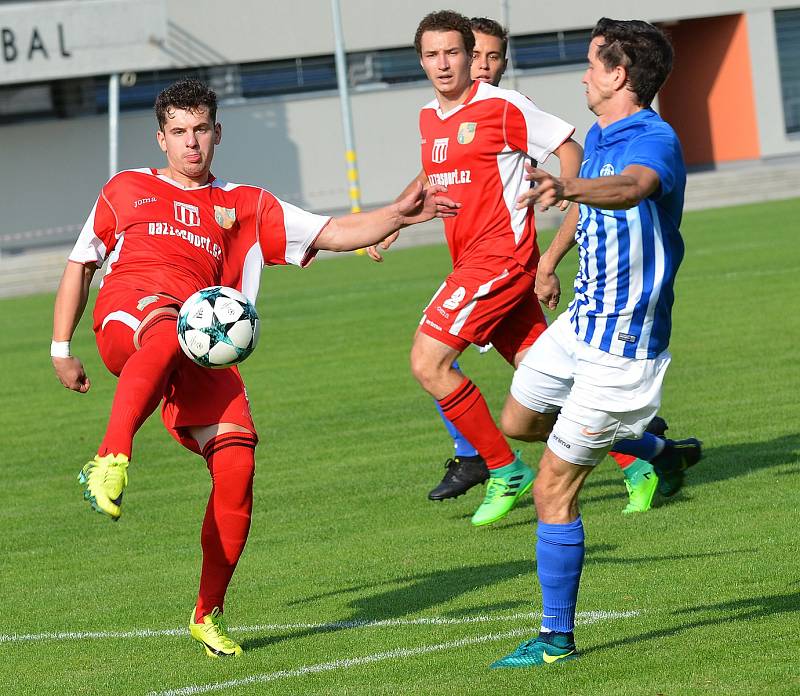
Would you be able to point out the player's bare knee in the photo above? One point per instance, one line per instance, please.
(523, 424)
(514, 428)
(428, 372)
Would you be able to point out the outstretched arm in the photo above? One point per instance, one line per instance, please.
(364, 229)
(73, 292)
(372, 251)
(620, 192)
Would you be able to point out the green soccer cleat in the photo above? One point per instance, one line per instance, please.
(213, 634)
(641, 483)
(545, 649)
(104, 479)
(506, 486)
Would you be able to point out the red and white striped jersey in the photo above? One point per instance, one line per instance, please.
(163, 238)
(478, 150)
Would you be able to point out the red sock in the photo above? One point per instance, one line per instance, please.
(231, 462)
(141, 385)
(466, 408)
(624, 460)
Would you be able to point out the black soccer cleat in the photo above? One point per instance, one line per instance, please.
(462, 474)
(670, 465)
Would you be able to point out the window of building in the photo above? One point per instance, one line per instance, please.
(546, 50)
(787, 30)
(86, 96)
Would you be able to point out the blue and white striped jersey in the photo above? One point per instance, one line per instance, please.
(629, 258)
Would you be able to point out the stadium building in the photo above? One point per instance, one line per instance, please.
(734, 95)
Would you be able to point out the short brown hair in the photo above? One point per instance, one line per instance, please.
(445, 20)
(641, 48)
(188, 94)
(484, 25)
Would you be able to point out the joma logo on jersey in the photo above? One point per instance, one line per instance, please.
(186, 214)
(142, 201)
(439, 151)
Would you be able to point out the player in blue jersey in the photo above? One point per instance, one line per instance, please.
(595, 376)
(466, 468)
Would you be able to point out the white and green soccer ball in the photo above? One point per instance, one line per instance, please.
(218, 327)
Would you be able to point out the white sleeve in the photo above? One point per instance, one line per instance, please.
(89, 248)
(287, 233)
(528, 128)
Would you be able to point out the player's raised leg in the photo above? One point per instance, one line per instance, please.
(147, 350)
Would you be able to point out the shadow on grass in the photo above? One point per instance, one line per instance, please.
(739, 610)
(718, 464)
(732, 461)
(407, 596)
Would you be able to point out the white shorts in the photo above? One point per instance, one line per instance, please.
(601, 397)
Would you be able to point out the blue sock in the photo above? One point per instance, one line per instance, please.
(462, 446)
(559, 561)
(645, 448)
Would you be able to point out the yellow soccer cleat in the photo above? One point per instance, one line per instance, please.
(104, 479)
(213, 634)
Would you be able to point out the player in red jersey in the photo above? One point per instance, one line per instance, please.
(166, 233)
(477, 138)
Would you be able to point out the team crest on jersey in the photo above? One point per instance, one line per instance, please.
(225, 217)
(607, 170)
(439, 151)
(466, 133)
(188, 215)
(146, 301)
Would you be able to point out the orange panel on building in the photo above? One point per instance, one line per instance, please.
(709, 99)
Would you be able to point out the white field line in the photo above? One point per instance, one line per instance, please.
(582, 617)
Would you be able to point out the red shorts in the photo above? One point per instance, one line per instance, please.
(194, 395)
(494, 304)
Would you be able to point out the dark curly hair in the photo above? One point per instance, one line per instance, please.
(642, 49)
(484, 25)
(189, 94)
(445, 20)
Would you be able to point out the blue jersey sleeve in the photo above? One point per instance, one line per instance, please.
(660, 152)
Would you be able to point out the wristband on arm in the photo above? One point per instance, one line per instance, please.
(60, 349)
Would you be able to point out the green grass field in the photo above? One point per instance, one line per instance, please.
(699, 596)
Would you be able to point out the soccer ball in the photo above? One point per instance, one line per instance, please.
(218, 327)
